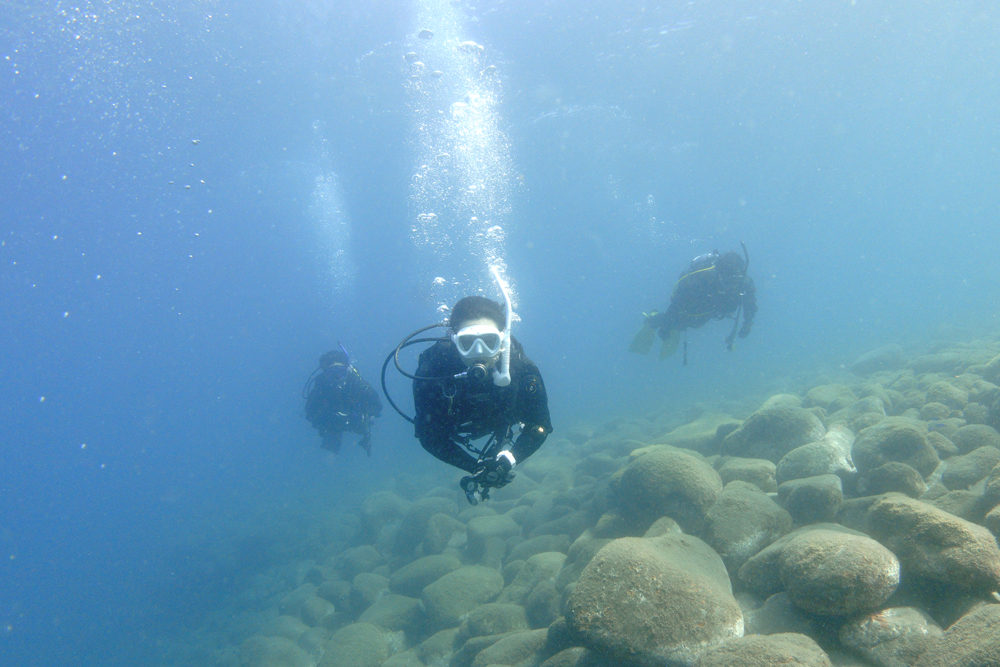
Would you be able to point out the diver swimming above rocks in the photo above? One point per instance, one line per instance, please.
(477, 383)
(713, 287)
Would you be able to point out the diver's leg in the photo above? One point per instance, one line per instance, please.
(332, 440)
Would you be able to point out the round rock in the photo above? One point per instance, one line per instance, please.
(667, 482)
(836, 574)
(770, 433)
(760, 650)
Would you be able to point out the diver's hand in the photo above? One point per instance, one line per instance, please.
(495, 472)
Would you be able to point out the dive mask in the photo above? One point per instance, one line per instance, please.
(338, 373)
(479, 343)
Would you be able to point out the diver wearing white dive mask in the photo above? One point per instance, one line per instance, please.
(479, 343)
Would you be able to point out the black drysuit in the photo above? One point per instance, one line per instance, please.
(450, 412)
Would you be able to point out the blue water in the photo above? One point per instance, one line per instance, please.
(199, 198)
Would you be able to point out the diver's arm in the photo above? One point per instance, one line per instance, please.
(533, 408)
(370, 402)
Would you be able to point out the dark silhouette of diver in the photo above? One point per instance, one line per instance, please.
(713, 287)
(339, 400)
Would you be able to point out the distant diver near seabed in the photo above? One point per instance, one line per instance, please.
(713, 287)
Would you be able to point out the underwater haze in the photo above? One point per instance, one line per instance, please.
(198, 198)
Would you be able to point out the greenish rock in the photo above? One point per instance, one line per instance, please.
(992, 521)
(273, 652)
(365, 589)
(654, 601)
(396, 612)
(963, 471)
(440, 531)
(413, 527)
(544, 604)
(661, 526)
(759, 472)
(315, 609)
(742, 521)
(471, 648)
(457, 593)
(289, 627)
(761, 574)
(895, 477)
(973, 641)
(495, 618)
(974, 436)
(948, 394)
(961, 503)
(381, 507)
(667, 482)
(570, 657)
(932, 411)
(829, 455)
(894, 637)
(870, 405)
(894, 439)
(976, 413)
(779, 614)
(833, 573)
(439, 647)
(770, 433)
(359, 559)
(538, 568)
(935, 545)
(767, 650)
(410, 658)
(583, 549)
(482, 528)
(885, 358)
(336, 592)
(700, 434)
(944, 447)
(361, 645)
(513, 649)
(991, 370)
(991, 492)
(782, 401)
(537, 545)
(812, 499)
(830, 397)
(291, 603)
(411, 579)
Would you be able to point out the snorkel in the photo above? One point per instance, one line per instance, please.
(501, 376)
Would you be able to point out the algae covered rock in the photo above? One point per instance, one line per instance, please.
(830, 397)
(835, 574)
(760, 650)
(495, 618)
(770, 433)
(886, 358)
(895, 439)
(973, 641)
(893, 637)
(895, 476)
(961, 472)
(513, 649)
(654, 601)
(273, 652)
(829, 455)
(936, 545)
(743, 521)
(411, 579)
(759, 472)
(457, 593)
(974, 436)
(361, 645)
(668, 482)
(700, 434)
(812, 499)
(395, 612)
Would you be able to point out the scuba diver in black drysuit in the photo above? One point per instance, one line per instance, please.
(714, 287)
(338, 400)
(474, 383)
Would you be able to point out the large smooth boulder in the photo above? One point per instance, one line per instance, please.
(895, 439)
(973, 641)
(761, 575)
(513, 649)
(411, 579)
(893, 637)
(830, 397)
(395, 612)
(812, 499)
(667, 482)
(936, 545)
(835, 574)
(654, 601)
(273, 652)
(955, 398)
(894, 476)
(973, 436)
(885, 358)
(759, 472)
(700, 434)
(770, 433)
(448, 599)
(767, 650)
(538, 568)
(495, 618)
(860, 414)
(963, 471)
(361, 645)
(829, 455)
(743, 521)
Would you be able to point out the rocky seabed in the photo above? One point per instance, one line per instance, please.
(852, 523)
